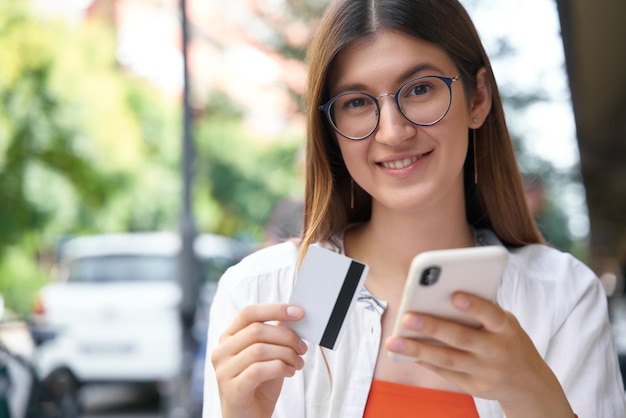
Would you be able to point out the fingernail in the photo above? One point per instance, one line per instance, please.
(461, 302)
(294, 311)
(397, 345)
(299, 363)
(302, 347)
(415, 322)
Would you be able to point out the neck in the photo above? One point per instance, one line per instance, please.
(389, 241)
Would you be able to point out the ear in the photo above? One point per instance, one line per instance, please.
(480, 103)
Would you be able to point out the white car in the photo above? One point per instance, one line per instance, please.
(114, 310)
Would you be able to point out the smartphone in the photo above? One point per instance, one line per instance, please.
(434, 276)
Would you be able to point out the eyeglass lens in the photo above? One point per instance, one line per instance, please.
(423, 101)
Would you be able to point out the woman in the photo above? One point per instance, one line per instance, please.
(408, 151)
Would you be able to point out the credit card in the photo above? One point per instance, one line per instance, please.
(326, 288)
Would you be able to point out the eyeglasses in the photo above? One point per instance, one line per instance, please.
(423, 101)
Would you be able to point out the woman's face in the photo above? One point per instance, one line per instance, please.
(404, 167)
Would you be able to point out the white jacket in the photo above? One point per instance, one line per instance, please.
(558, 301)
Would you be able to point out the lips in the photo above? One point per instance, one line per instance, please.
(401, 163)
(398, 164)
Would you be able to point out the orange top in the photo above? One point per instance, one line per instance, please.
(394, 400)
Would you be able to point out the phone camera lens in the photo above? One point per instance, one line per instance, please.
(430, 275)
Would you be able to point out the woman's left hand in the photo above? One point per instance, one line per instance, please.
(498, 361)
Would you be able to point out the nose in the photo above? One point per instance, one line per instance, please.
(393, 127)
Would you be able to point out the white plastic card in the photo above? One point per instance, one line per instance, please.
(326, 288)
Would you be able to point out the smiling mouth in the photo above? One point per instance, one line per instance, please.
(400, 164)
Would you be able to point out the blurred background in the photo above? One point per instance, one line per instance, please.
(147, 145)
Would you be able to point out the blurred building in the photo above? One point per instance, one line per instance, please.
(593, 38)
(234, 48)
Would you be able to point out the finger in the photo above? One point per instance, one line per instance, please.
(442, 331)
(488, 313)
(260, 353)
(264, 312)
(456, 366)
(258, 373)
(431, 352)
(465, 381)
(267, 352)
(264, 333)
(255, 333)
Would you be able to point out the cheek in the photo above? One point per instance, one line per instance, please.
(354, 154)
(459, 145)
(456, 126)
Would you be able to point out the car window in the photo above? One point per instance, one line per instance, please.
(123, 268)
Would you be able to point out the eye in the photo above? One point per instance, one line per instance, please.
(419, 88)
(351, 102)
(357, 101)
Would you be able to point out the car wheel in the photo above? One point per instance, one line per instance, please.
(64, 389)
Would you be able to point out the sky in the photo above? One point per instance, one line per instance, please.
(532, 27)
(547, 129)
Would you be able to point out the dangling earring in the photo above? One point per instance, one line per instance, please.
(351, 193)
(475, 120)
(475, 157)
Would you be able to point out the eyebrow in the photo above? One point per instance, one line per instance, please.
(399, 80)
(418, 69)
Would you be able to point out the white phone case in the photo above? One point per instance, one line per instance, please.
(434, 276)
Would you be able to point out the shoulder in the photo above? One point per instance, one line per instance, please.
(268, 259)
(266, 274)
(543, 264)
(543, 286)
(539, 278)
(548, 264)
(550, 267)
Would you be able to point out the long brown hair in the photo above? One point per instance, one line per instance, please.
(496, 202)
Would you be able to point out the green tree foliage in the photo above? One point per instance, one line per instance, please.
(239, 179)
(86, 147)
(83, 148)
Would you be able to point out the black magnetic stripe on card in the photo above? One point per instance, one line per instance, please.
(342, 304)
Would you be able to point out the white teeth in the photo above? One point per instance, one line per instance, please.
(397, 165)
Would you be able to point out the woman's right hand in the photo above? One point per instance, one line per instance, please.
(254, 357)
